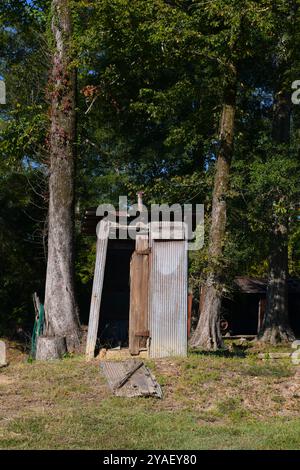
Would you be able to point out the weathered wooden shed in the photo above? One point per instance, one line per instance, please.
(244, 311)
(140, 295)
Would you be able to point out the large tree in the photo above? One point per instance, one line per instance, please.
(235, 23)
(207, 334)
(152, 77)
(60, 301)
(229, 26)
(275, 327)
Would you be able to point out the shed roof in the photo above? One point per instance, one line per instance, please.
(250, 285)
(91, 219)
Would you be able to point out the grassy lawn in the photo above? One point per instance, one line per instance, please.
(210, 402)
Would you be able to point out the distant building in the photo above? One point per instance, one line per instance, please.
(243, 312)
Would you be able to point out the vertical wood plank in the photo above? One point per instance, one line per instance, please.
(189, 314)
(139, 280)
(261, 314)
(97, 289)
(141, 243)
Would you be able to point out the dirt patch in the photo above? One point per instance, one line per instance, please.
(222, 387)
(4, 380)
(291, 388)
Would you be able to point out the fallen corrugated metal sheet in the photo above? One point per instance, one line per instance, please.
(130, 379)
(168, 298)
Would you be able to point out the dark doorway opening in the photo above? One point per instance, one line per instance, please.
(114, 311)
(241, 314)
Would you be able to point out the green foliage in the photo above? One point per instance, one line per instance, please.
(23, 124)
(150, 83)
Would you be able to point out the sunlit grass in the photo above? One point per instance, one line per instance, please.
(210, 402)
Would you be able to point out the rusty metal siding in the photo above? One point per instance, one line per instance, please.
(168, 298)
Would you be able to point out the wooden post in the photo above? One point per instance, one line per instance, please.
(189, 316)
(36, 304)
(97, 289)
(2, 354)
(261, 314)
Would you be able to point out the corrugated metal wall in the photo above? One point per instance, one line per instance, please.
(168, 298)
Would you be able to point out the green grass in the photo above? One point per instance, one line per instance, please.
(115, 426)
(268, 370)
(210, 402)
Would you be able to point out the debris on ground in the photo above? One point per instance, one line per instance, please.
(296, 354)
(3, 361)
(130, 378)
(274, 355)
(120, 354)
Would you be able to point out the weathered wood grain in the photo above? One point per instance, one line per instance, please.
(139, 285)
(97, 290)
(130, 379)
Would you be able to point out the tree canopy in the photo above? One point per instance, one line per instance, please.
(150, 82)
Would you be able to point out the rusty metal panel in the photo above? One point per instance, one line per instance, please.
(168, 298)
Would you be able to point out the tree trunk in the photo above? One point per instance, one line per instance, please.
(50, 347)
(207, 334)
(275, 327)
(60, 303)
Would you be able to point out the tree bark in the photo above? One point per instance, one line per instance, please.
(275, 327)
(61, 310)
(50, 347)
(207, 334)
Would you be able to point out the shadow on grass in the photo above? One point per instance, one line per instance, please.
(239, 352)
